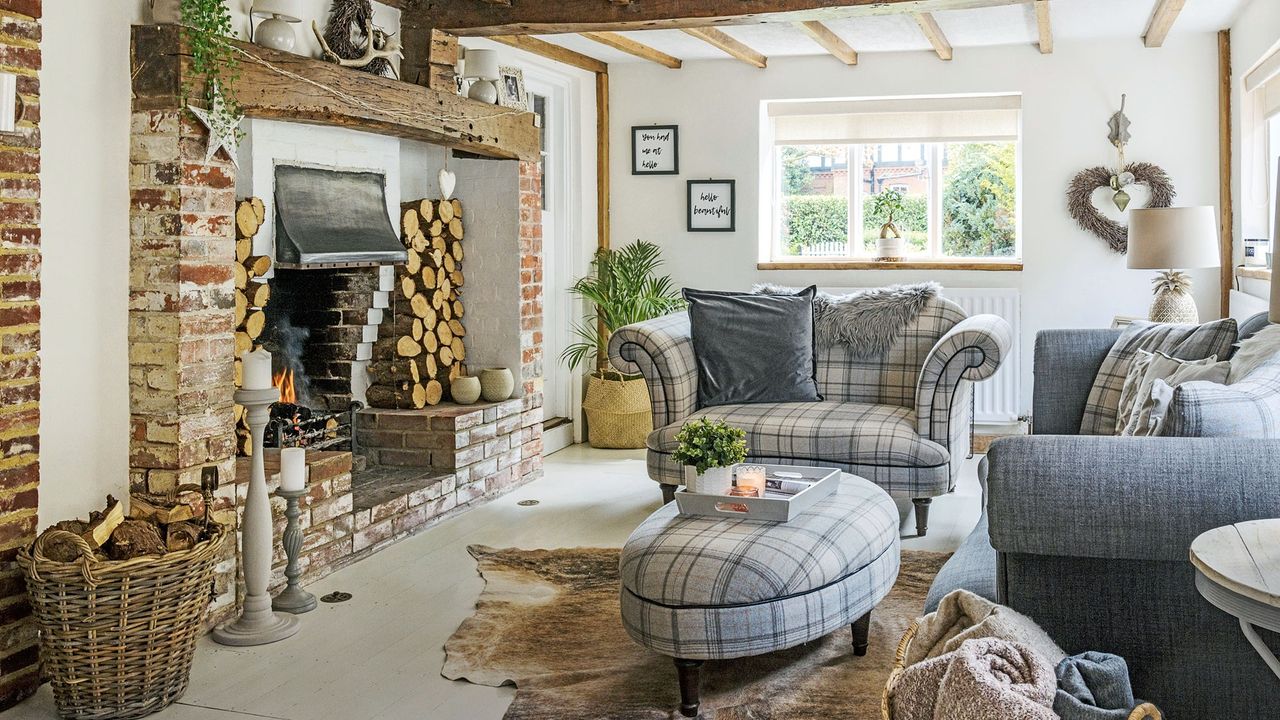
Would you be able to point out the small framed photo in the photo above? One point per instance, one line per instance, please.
(655, 150)
(511, 91)
(712, 206)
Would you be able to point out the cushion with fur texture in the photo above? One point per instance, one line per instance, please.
(1253, 351)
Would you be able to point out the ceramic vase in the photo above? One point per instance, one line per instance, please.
(715, 481)
(891, 245)
(465, 390)
(496, 384)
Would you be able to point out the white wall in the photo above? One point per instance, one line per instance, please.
(1255, 32)
(1070, 278)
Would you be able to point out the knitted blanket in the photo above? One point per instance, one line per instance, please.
(962, 616)
(1094, 686)
(867, 322)
(983, 679)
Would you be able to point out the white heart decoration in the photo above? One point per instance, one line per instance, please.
(447, 181)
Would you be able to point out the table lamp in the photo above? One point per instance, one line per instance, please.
(1173, 239)
(275, 32)
(482, 65)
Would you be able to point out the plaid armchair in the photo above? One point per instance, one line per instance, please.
(901, 420)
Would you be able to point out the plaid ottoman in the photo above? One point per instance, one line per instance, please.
(700, 588)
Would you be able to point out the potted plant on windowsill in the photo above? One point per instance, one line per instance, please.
(709, 449)
(622, 289)
(890, 246)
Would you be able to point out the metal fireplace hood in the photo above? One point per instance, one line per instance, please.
(333, 218)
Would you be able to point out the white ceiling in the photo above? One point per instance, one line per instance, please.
(1004, 25)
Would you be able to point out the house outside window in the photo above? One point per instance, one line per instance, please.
(954, 161)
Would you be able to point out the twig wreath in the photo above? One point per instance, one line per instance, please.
(1089, 218)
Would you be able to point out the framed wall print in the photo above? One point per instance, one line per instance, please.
(511, 92)
(655, 150)
(711, 206)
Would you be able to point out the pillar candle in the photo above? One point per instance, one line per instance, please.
(257, 370)
(293, 469)
(751, 476)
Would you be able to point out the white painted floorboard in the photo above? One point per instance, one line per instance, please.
(379, 655)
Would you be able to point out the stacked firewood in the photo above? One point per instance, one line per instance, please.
(420, 347)
(251, 295)
(156, 524)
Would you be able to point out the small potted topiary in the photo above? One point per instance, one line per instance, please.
(709, 449)
(891, 246)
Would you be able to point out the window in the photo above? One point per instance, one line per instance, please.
(946, 167)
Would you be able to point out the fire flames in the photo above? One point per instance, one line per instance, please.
(284, 381)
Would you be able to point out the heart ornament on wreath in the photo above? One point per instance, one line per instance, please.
(1090, 218)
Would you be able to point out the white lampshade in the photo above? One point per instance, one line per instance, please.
(482, 64)
(1175, 238)
(287, 10)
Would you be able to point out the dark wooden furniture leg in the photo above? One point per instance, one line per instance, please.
(922, 515)
(861, 634)
(688, 673)
(668, 492)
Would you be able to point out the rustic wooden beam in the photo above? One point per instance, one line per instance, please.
(631, 47)
(1044, 26)
(552, 52)
(734, 48)
(1161, 21)
(602, 159)
(285, 86)
(1226, 201)
(937, 39)
(829, 41)
(547, 17)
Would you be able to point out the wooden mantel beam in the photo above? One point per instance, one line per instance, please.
(937, 39)
(736, 49)
(1044, 26)
(285, 86)
(631, 47)
(552, 51)
(1161, 21)
(547, 17)
(829, 41)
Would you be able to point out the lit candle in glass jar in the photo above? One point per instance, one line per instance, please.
(743, 491)
(751, 476)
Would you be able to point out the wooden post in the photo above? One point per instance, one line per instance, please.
(602, 189)
(1226, 230)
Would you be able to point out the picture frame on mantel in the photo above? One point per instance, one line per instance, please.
(712, 206)
(655, 150)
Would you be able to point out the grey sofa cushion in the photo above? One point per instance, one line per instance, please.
(753, 348)
(1247, 409)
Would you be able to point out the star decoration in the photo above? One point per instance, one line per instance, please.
(221, 136)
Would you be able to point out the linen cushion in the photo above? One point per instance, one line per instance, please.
(753, 348)
(1129, 391)
(1148, 408)
(1254, 351)
(1185, 342)
(1247, 409)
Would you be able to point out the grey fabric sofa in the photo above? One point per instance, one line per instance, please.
(901, 420)
(1090, 537)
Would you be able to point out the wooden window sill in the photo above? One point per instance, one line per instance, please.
(1001, 266)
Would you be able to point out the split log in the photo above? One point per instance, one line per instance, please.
(135, 538)
(418, 241)
(259, 210)
(457, 278)
(455, 228)
(244, 248)
(429, 278)
(410, 222)
(446, 311)
(445, 211)
(457, 308)
(436, 228)
(427, 209)
(434, 392)
(444, 333)
(457, 251)
(446, 356)
(414, 263)
(247, 221)
(415, 331)
(254, 323)
(457, 328)
(431, 366)
(420, 397)
(241, 275)
(408, 347)
(419, 305)
(459, 350)
(431, 342)
(186, 504)
(181, 536)
(408, 287)
(102, 524)
(257, 265)
(257, 293)
(242, 307)
(457, 207)
(244, 343)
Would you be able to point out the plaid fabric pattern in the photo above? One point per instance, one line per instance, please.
(662, 351)
(971, 351)
(878, 442)
(1247, 409)
(1185, 342)
(710, 588)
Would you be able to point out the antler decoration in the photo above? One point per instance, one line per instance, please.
(381, 44)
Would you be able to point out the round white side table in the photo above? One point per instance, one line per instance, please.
(1238, 571)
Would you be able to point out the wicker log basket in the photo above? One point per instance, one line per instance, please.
(117, 637)
(1145, 711)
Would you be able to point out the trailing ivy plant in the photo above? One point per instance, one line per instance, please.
(706, 443)
(206, 25)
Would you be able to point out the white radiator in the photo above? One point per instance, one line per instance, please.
(996, 399)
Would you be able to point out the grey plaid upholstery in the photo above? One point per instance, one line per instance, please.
(711, 588)
(1247, 409)
(1185, 342)
(908, 413)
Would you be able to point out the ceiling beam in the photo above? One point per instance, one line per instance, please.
(937, 39)
(625, 44)
(1044, 26)
(1161, 20)
(549, 17)
(735, 48)
(552, 51)
(829, 41)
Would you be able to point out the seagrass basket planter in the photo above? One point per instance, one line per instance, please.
(618, 411)
(117, 637)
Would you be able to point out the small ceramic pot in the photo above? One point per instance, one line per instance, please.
(496, 384)
(715, 481)
(465, 390)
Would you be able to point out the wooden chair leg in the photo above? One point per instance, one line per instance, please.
(689, 674)
(922, 515)
(668, 492)
(861, 634)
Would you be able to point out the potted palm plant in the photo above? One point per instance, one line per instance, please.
(891, 246)
(623, 288)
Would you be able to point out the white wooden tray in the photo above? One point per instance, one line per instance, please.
(769, 508)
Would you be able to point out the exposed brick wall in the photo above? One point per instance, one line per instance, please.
(19, 345)
(531, 320)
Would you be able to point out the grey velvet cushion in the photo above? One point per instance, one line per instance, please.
(753, 348)
(1247, 409)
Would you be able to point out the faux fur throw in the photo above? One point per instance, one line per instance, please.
(867, 322)
(962, 616)
(984, 679)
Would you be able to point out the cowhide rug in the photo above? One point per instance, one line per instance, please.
(548, 622)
